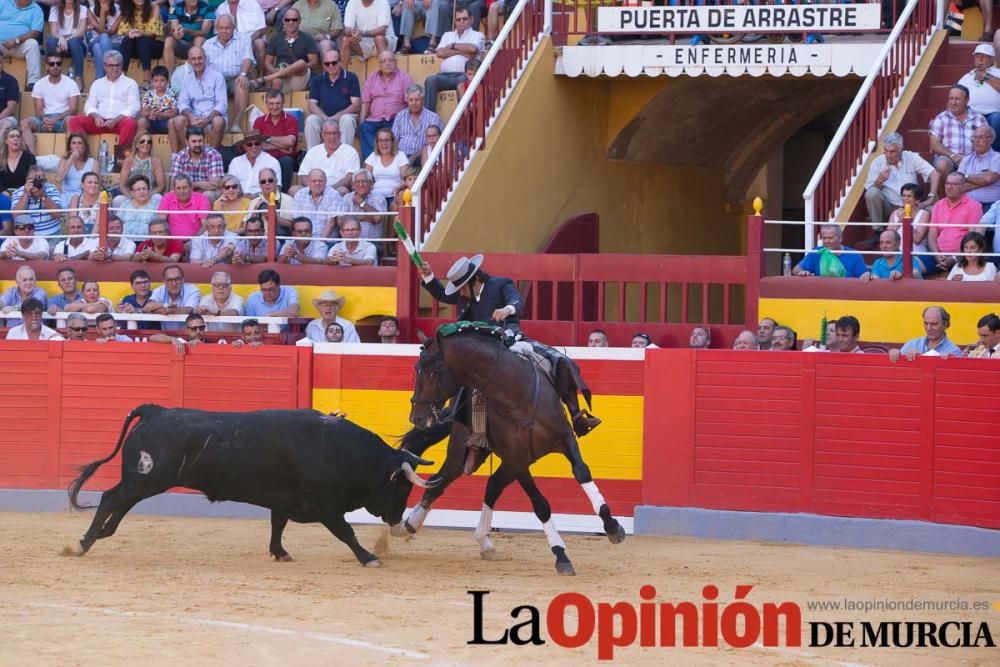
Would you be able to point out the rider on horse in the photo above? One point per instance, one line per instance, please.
(484, 298)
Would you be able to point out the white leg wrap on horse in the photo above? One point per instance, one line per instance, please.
(596, 499)
(485, 523)
(552, 535)
(417, 516)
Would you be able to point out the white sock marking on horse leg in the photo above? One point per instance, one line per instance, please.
(417, 516)
(552, 535)
(485, 524)
(594, 494)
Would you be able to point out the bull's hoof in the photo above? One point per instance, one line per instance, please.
(617, 536)
(283, 558)
(73, 550)
(565, 568)
(489, 553)
(402, 529)
(375, 562)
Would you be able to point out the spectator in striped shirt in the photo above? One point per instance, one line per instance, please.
(202, 163)
(951, 130)
(410, 125)
(982, 168)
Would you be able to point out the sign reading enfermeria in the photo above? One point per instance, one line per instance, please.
(740, 18)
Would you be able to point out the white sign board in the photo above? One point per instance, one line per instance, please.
(740, 19)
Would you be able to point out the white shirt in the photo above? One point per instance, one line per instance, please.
(469, 36)
(249, 16)
(249, 174)
(38, 244)
(387, 179)
(20, 333)
(343, 161)
(983, 97)
(235, 302)
(109, 99)
(988, 274)
(905, 171)
(125, 246)
(372, 17)
(88, 244)
(62, 24)
(207, 247)
(315, 249)
(364, 251)
(315, 331)
(55, 96)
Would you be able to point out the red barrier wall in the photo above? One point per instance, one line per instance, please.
(846, 435)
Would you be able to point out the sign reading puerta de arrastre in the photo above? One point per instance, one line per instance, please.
(739, 18)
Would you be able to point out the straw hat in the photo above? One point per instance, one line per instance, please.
(329, 296)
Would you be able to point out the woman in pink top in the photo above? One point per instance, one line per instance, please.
(184, 208)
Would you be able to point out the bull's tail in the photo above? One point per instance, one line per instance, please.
(87, 470)
(419, 440)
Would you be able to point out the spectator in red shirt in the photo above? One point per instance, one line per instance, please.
(281, 135)
(159, 249)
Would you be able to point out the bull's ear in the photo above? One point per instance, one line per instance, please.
(416, 460)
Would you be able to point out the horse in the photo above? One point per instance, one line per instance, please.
(525, 420)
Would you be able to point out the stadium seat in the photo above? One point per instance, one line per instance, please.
(446, 103)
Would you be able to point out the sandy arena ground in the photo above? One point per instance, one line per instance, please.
(204, 592)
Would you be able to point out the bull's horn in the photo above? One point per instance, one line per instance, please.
(416, 459)
(415, 478)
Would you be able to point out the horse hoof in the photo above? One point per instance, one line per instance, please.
(375, 562)
(565, 569)
(73, 550)
(488, 554)
(284, 558)
(398, 530)
(617, 536)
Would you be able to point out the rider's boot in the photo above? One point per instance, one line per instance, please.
(583, 421)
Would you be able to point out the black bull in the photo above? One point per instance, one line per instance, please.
(302, 465)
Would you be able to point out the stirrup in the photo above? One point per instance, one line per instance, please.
(584, 423)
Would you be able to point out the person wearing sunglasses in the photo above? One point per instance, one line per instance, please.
(24, 244)
(269, 184)
(246, 168)
(141, 162)
(194, 327)
(32, 327)
(232, 204)
(334, 94)
(76, 326)
(291, 55)
(55, 98)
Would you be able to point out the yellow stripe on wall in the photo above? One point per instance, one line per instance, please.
(896, 321)
(613, 451)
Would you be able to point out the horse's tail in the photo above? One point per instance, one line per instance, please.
(419, 440)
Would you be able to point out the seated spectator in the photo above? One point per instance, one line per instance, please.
(890, 265)
(352, 251)
(643, 340)
(112, 103)
(989, 338)
(334, 333)
(982, 168)
(410, 125)
(329, 304)
(92, 301)
(140, 208)
(103, 19)
(597, 338)
(88, 202)
(247, 167)
(409, 178)
(701, 338)
(15, 160)
(158, 105)
(295, 251)
(456, 47)
(25, 288)
(783, 339)
(321, 202)
(24, 244)
(202, 163)
(472, 66)
(158, 248)
(367, 29)
(911, 195)
(73, 166)
(137, 300)
(67, 27)
(765, 333)
(249, 21)
(832, 259)
(39, 196)
(830, 343)
(120, 248)
(848, 330)
(232, 55)
(321, 19)
(76, 326)
(935, 342)
(20, 33)
(972, 265)
(983, 84)
(107, 330)
(268, 180)
(173, 297)
(142, 31)
(273, 299)
(69, 291)
(232, 203)
(334, 95)
(745, 340)
(32, 328)
(221, 301)
(250, 335)
(386, 165)
(183, 207)
(431, 138)
(279, 133)
(216, 245)
(408, 14)
(253, 248)
(382, 97)
(54, 99)
(194, 327)
(10, 98)
(78, 246)
(339, 161)
(494, 11)
(388, 330)
(447, 11)
(203, 104)
(142, 162)
(960, 213)
(363, 200)
(190, 25)
(951, 131)
(291, 55)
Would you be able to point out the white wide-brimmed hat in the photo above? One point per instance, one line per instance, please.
(461, 272)
(329, 296)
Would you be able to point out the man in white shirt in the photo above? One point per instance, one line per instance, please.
(352, 251)
(112, 104)
(329, 303)
(247, 167)
(983, 83)
(24, 244)
(173, 297)
(231, 54)
(367, 30)
(456, 47)
(250, 21)
(337, 160)
(74, 248)
(216, 245)
(120, 248)
(294, 251)
(889, 172)
(32, 327)
(55, 98)
(107, 330)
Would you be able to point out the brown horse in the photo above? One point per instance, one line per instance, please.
(525, 421)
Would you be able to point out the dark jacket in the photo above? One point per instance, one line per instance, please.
(497, 293)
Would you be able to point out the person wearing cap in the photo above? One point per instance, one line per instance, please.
(247, 167)
(32, 327)
(24, 244)
(481, 297)
(329, 303)
(983, 82)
